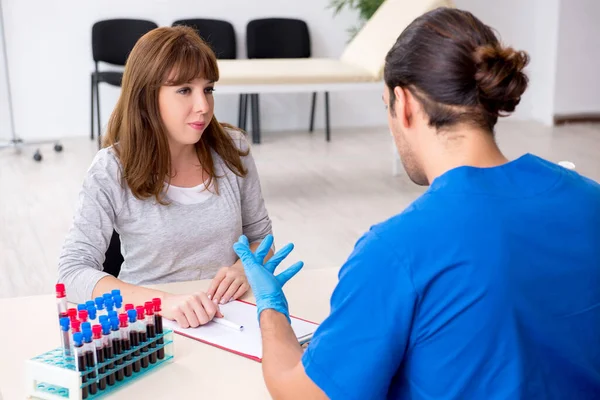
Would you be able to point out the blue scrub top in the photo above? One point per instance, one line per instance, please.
(486, 287)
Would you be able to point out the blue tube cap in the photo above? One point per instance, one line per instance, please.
(87, 335)
(103, 318)
(132, 314)
(107, 296)
(65, 323)
(92, 312)
(113, 315)
(78, 338)
(99, 303)
(118, 300)
(105, 327)
(114, 323)
(90, 303)
(81, 307)
(116, 292)
(86, 326)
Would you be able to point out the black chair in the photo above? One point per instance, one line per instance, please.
(113, 257)
(112, 41)
(220, 35)
(280, 38)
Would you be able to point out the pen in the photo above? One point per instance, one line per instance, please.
(305, 338)
(229, 324)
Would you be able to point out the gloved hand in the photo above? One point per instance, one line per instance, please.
(267, 288)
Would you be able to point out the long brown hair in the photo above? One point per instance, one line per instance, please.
(136, 130)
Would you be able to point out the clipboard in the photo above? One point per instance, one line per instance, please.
(246, 343)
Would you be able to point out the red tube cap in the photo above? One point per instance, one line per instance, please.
(72, 313)
(149, 308)
(83, 315)
(156, 303)
(75, 325)
(123, 320)
(60, 291)
(140, 312)
(97, 330)
(128, 307)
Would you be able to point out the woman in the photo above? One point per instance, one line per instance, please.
(176, 185)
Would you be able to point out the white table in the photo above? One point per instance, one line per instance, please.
(29, 326)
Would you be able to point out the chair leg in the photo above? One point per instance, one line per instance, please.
(98, 114)
(240, 111)
(254, 105)
(327, 129)
(92, 108)
(243, 112)
(312, 112)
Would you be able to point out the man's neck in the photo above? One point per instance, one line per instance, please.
(475, 149)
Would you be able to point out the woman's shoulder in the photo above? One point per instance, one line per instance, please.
(106, 162)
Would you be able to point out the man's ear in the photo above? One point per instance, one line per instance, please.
(403, 106)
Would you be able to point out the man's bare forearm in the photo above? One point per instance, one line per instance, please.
(281, 350)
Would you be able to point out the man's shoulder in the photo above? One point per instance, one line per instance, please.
(413, 222)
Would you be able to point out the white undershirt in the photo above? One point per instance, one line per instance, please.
(184, 195)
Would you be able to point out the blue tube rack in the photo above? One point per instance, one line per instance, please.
(52, 376)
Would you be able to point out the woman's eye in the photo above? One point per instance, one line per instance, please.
(184, 90)
(209, 90)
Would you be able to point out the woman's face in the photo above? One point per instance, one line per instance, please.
(186, 110)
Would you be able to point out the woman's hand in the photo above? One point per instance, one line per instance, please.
(229, 284)
(189, 310)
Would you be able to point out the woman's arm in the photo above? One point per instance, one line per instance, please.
(100, 201)
(189, 310)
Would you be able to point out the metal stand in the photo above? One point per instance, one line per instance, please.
(16, 142)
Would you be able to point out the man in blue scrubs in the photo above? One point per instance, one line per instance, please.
(487, 286)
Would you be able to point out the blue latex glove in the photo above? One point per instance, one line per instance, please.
(267, 288)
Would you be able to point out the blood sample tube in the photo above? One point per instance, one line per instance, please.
(150, 330)
(109, 305)
(108, 351)
(125, 344)
(99, 301)
(65, 324)
(61, 300)
(143, 335)
(83, 315)
(134, 339)
(89, 351)
(80, 361)
(92, 314)
(99, 346)
(118, 300)
(72, 313)
(115, 337)
(158, 326)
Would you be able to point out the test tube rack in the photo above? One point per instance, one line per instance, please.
(52, 376)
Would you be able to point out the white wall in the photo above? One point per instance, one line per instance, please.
(49, 46)
(578, 69)
(4, 112)
(530, 26)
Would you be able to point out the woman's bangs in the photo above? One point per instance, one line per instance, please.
(191, 63)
